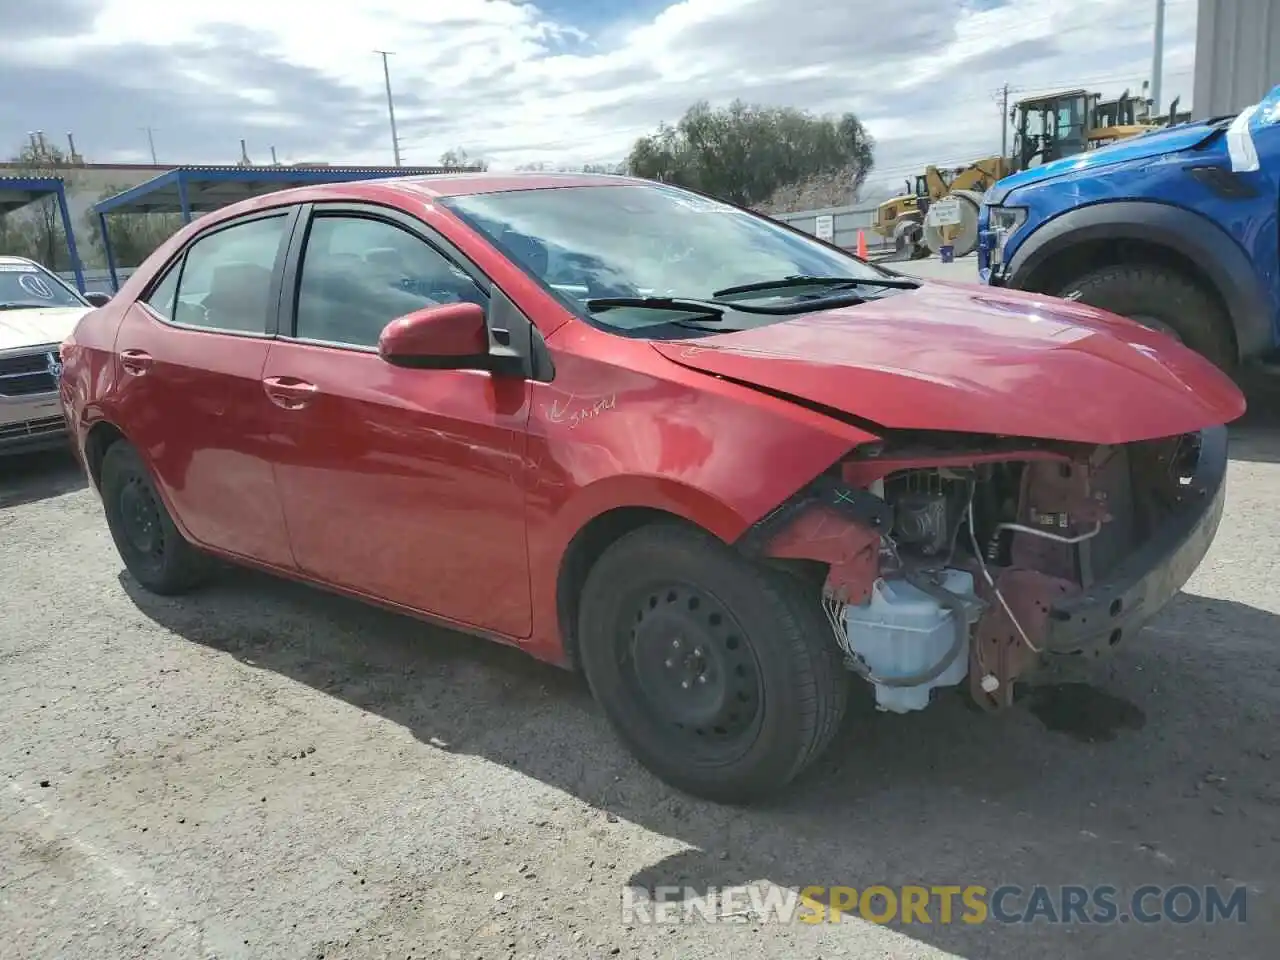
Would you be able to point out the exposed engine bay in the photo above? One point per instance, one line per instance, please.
(950, 562)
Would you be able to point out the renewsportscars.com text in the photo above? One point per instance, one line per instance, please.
(944, 904)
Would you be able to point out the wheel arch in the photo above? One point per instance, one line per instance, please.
(1115, 232)
(97, 441)
(612, 509)
(100, 437)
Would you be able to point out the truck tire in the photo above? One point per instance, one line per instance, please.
(1159, 298)
(720, 675)
(907, 237)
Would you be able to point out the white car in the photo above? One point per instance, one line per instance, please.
(38, 310)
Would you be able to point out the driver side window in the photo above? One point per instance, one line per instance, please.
(359, 274)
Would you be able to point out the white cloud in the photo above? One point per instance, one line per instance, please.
(505, 80)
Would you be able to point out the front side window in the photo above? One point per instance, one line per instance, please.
(26, 285)
(359, 274)
(164, 294)
(225, 281)
(649, 240)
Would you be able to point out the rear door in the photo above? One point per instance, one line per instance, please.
(407, 485)
(190, 355)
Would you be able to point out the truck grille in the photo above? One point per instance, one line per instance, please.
(43, 426)
(26, 374)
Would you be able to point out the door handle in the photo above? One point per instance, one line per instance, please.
(135, 362)
(288, 393)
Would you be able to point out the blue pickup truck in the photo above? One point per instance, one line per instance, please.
(1177, 229)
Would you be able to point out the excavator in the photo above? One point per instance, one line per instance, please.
(1046, 128)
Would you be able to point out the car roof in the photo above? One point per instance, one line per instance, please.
(396, 190)
(465, 184)
(9, 259)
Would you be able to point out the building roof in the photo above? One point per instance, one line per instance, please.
(17, 192)
(203, 189)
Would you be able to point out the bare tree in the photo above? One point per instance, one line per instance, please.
(830, 188)
(36, 231)
(459, 157)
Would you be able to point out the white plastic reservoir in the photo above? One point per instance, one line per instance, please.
(901, 631)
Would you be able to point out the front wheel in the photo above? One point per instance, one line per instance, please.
(721, 676)
(1163, 300)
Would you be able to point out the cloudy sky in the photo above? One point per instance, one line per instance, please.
(560, 81)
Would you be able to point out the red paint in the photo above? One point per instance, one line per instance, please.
(951, 357)
(454, 494)
(451, 330)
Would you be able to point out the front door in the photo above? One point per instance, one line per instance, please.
(190, 357)
(406, 485)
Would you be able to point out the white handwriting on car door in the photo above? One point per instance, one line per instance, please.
(580, 413)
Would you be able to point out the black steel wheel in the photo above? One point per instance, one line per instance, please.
(150, 544)
(693, 664)
(721, 676)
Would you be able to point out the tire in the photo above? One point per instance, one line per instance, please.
(775, 687)
(967, 239)
(1159, 298)
(154, 552)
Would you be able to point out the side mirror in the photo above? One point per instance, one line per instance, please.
(98, 298)
(450, 336)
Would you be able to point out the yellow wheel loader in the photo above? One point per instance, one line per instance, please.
(1046, 128)
(902, 219)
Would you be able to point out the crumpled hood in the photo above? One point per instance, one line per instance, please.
(956, 357)
(38, 326)
(1157, 143)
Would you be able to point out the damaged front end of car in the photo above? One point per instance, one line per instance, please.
(951, 559)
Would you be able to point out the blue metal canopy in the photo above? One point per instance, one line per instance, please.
(19, 192)
(194, 190)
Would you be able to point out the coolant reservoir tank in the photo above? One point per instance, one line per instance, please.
(901, 631)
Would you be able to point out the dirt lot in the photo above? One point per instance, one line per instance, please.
(263, 771)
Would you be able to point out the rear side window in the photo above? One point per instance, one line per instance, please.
(224, 281)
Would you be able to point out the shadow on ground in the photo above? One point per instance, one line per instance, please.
(29, 478)
(1159, 769)
(1256, 435)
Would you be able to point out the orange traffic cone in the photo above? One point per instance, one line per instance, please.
(862, 245)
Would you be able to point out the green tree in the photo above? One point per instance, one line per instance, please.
(747, 153)
(134, 236)
(36, 231)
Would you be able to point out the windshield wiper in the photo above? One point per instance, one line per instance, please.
(837, 283)
(707, 313)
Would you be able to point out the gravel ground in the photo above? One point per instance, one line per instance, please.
(265, 771)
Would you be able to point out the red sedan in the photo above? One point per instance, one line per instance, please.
(715, 464)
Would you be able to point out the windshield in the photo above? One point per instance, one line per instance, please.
(26, 285)
(647, 241)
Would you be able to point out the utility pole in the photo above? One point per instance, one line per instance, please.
(1157, 60)
(1003, 94)
(151, 142)
(391, 106)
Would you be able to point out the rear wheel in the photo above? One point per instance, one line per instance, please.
(722, 677)
(153, 551)
(1161, 299)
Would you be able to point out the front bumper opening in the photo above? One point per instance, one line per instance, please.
(1148, 578)
(1037, 550)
